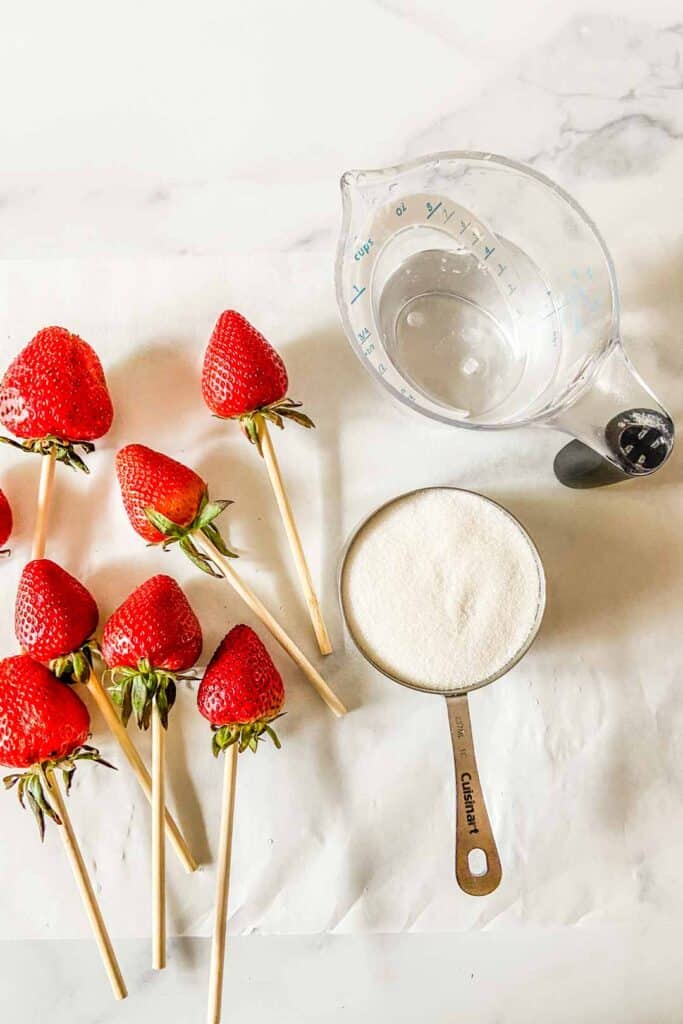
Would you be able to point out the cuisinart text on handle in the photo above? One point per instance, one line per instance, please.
(466, 785)
(468, 797)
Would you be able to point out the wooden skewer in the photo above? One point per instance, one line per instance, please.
(109, 713)
(94, 686)
(271, 624)
(304, 573)
(87, 894)
(47, 476)
(222, 886)
(158, 843)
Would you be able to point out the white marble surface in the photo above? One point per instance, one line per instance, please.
(160, 163)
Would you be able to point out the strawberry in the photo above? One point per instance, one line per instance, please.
(241, 692)
(5, 522)
(54, 396)
(43, 727)
(54, 617)
(167, 502)
(244, 378)
(151, 638)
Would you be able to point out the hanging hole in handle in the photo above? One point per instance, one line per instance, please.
(477, 862)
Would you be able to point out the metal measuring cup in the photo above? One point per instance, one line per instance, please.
(473, 834)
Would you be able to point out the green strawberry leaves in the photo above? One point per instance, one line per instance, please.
(277, 413)
(182, 535)
(77, 666)
(64, 451)
(246, 735)
(136, 690)
(198, 558)
(33, 785)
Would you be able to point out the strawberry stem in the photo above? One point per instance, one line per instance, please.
(33, 787)
(76, 666)
(246, 735)
(64, 451)
(276, 413)
(137, 689)
(173, 533)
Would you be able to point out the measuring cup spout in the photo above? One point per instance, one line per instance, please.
(621, 430)
(355, 183)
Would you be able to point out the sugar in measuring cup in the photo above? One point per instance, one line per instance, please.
(443, 591)
(480, 294)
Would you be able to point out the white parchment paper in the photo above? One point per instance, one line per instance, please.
(350, 827)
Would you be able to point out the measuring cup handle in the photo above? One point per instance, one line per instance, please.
(622, 431)
(472, 826)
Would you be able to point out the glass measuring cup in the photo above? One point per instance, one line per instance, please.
(479, 293)
(474, 836)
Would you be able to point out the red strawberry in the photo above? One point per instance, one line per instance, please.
(5, 521)
(41, 721)
(241, 692)
(55, 395)
(150, 638)
(149, 479)
(166, 502)
(244, 377)
(54, 617)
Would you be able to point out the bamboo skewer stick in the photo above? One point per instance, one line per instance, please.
(304, 573)
(109, 713)
(158, 843)
(92, 908)
(85, 886)
(47, 477)
(222, 886)
(271, 624)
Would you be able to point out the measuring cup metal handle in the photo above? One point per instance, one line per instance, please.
(472, 826)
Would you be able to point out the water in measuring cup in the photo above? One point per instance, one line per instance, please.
(450, 332)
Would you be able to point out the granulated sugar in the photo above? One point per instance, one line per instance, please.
(442, 588)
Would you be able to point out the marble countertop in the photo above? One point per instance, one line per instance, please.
(161, 162)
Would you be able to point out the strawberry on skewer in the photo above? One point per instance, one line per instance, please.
(148, 643)
(245, 379)
(43, 729)
(168, 503)
(54, 400)
(241, 695)
(6, 523)
(55, 618)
